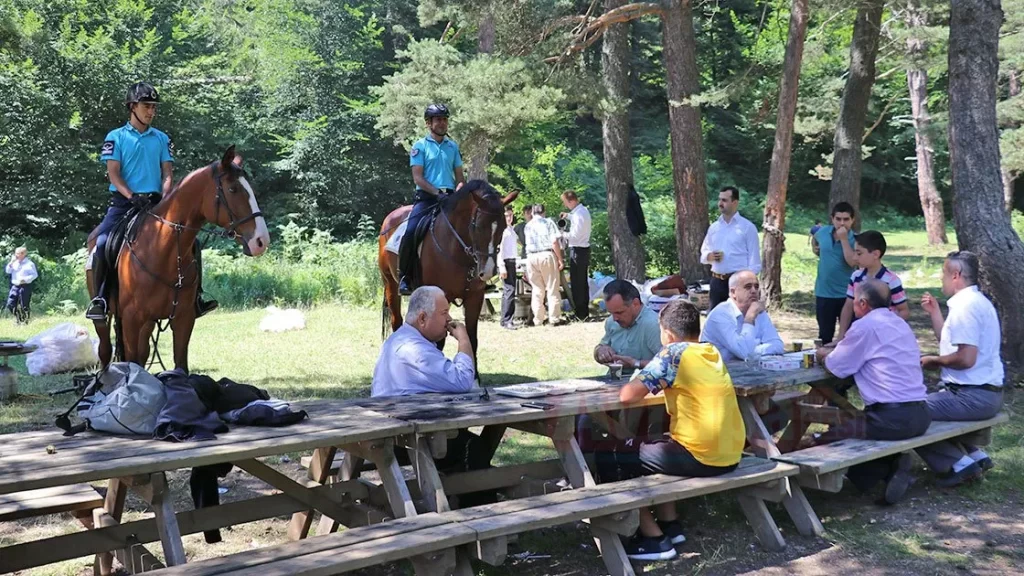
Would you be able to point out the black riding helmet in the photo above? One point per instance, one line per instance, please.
(436, 111)
(140, 92)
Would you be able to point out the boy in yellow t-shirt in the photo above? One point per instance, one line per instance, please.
(706, 433)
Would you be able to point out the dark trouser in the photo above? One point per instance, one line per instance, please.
(957, 403)
(508, 297)
(828, 310)
(19, 295)
(661, 456)
(579, 275)
(423, 204)
(897, 421)
(719, 291)
(465, 452)
(117, 209)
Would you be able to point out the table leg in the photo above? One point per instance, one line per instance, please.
(167, 521)
(763, 445)
(113, 507)
(319, 472)
(348, 470)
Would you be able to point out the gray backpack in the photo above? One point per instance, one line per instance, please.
(123, 399)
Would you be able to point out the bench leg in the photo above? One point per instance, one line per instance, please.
(349, 470)
(167, 521)
(762, 522)
(319, 472)
(763, 445)
(113, 506)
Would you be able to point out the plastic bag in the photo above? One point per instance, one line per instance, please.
(63, 348)
(278, 320)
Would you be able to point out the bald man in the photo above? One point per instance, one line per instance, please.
(740, 327)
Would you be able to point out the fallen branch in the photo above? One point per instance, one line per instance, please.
(592, 29)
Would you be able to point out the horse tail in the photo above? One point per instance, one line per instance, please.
(385, 317)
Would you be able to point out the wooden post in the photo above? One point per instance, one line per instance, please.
(113, 506)
(166, 521)
(319, 472)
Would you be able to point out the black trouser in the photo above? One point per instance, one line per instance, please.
(423, 204)
(827, 311)
(19, 295)
(508, 297)
(897, 421)
(719, 291)
(661, 456)
(579, 279)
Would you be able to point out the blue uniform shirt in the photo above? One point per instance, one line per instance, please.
(439, 161)
(140, 155)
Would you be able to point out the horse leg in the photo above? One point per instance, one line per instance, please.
(394, 302)
(473, 305)
(130, 328)
(142, 337)
(182, 326)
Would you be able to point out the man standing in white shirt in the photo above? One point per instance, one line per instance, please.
(970, 367)
(544, 266)
(740, 326)
(578, 238)
(507, 269)
(730, 245)
(22, 272)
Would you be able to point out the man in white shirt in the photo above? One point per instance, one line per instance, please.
(740, 326)
(730, 245)
(578, 238)
(970, 367)
(22, 272)
(544, 266)
(507, 269)
(410, 362)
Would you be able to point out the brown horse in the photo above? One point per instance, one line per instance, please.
(458, 254)
(157, 276)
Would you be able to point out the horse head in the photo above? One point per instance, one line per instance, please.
(234, 206)
(487, 225)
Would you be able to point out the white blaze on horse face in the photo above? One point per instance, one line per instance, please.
(261, 237)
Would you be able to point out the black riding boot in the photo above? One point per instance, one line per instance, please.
(203, 307)
(98, 306)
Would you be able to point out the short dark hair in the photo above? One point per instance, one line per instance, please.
(681, 318)
(843, 207)
(732, 190)
(968, 263)
(509, 209)
(538, 209)
(875, 292)
(623, 288)
(570, 195)
(528, 209)
(871, 240)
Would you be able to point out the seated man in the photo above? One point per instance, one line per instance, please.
(740, 327)
(880, 351)
(631, 334)
(410, 363)
(706, 430)
(970, 365)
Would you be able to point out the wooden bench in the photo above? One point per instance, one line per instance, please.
(79, 499)
(484, 529)
(823, 467)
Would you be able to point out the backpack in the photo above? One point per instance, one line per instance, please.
(123, 399)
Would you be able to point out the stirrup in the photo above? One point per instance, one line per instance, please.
(97, 309)
(204, 307)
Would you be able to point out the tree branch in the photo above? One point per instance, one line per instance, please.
(880, 117)
(592, 29)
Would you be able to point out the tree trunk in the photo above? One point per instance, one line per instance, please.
(690, 182)
(846, 163)
(1008, 177)
(982, 225)
(627, 250)
(778, 177)
(917, 81)
(480, 157)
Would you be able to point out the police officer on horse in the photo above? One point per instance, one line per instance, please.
(437, 171)
(139, 161)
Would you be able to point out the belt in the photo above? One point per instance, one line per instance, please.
(881, 405)
(721, 276)
(539, 252)
(987, 387)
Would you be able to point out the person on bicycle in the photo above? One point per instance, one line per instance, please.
(139, 161)
(436, 170)
(22, 272)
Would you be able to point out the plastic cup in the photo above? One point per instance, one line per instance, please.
(615, 370)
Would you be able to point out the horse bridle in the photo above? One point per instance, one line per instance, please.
(468, 249)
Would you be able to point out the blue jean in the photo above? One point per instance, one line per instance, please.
(19, 294)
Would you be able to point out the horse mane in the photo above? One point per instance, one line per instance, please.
(455, 198)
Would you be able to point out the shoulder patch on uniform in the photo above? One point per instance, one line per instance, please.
(108, 148)
(414, 151)
(170, 146)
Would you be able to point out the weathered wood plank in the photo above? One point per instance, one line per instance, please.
(750, 380)
(49, 501)
(318, 470)
(841, 454)
(166, 521)
(762, 522)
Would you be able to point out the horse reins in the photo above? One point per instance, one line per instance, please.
(468, 249)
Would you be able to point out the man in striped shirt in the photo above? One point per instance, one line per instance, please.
(869, 249)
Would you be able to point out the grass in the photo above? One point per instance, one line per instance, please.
(334, 358)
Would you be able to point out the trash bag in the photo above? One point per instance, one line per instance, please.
(63, 348)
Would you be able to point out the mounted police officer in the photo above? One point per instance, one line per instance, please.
(140, 165)
(437, 170)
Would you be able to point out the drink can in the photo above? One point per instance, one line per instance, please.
(808, 361)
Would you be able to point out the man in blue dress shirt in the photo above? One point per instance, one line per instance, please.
(437, 170)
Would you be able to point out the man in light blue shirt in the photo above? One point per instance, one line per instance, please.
(436, 164)
(410, 362)
(632, 335)
(833, 244)
(740, 326)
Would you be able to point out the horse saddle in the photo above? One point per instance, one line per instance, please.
(403, 235)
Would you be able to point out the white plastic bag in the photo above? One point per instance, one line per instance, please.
(278, 320)
(63, 348)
